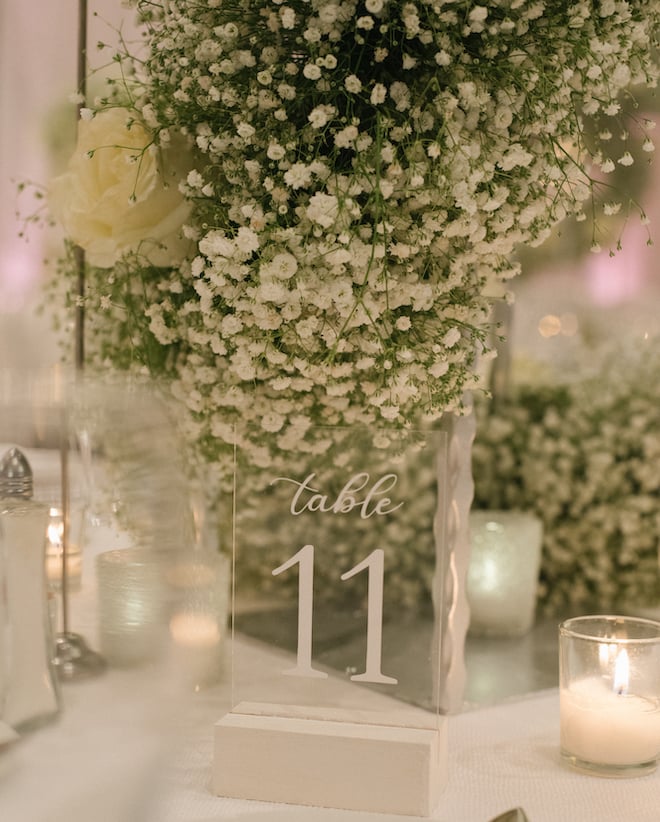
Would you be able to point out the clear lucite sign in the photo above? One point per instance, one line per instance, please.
(339, 557)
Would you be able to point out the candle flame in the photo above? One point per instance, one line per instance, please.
(55, 529)
(621, 672)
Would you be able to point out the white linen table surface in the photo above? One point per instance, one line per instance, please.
(500, 757)
(113, 756)
(106, 760)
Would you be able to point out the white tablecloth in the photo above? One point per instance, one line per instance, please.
(500, 757)
(127, 748)
(109, 759)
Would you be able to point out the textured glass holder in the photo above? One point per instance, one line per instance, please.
(609, 672)
(154, 605)
(503, 573)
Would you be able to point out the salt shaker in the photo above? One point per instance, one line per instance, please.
(31, 694)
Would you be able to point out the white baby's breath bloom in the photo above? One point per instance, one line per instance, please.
(195, 179)
(275, 151)
(386, 188)
(451, 337)
(312, 71)
(247, 240)
(312, 35)
(346, 137)
(321, 115)
(610, 209)
(282, 267)
(323, 209)
(328, 12)
(342, 227)
(378, 94)
(439, 369)
(478, 14)
(366, 22)
(287, 17)
(298, 176)
(217, 244)
(272, 422)
(389, 412)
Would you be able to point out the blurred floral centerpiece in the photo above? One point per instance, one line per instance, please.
(300, 212)
(583, 455)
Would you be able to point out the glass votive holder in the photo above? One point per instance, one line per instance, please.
(155, 606)
(503, 574)
(609, 694)
(198, 624)
(133, 605)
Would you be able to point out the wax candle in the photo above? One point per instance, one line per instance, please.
(601, 726)
(195, 630)
(610, 694)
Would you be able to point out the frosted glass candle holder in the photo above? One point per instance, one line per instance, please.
(503, 572)
(609, 678)
(155, 606)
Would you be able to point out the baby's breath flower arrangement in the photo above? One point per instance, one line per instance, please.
(362, 173)
(584, 457)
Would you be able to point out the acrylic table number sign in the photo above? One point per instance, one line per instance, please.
(338, 618)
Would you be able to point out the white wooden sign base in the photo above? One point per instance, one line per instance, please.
(328, 760)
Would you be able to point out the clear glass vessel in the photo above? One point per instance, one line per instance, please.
(609, 672)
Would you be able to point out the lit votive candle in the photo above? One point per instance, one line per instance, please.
(198, 626)
(191, 630)
(503, 573)
(609, 669)
(54, 548)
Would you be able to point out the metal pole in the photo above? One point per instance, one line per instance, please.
(500, 375)
(66, 523)
(73, 658)
(79, 254)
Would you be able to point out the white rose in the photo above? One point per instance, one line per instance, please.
(115, 197)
